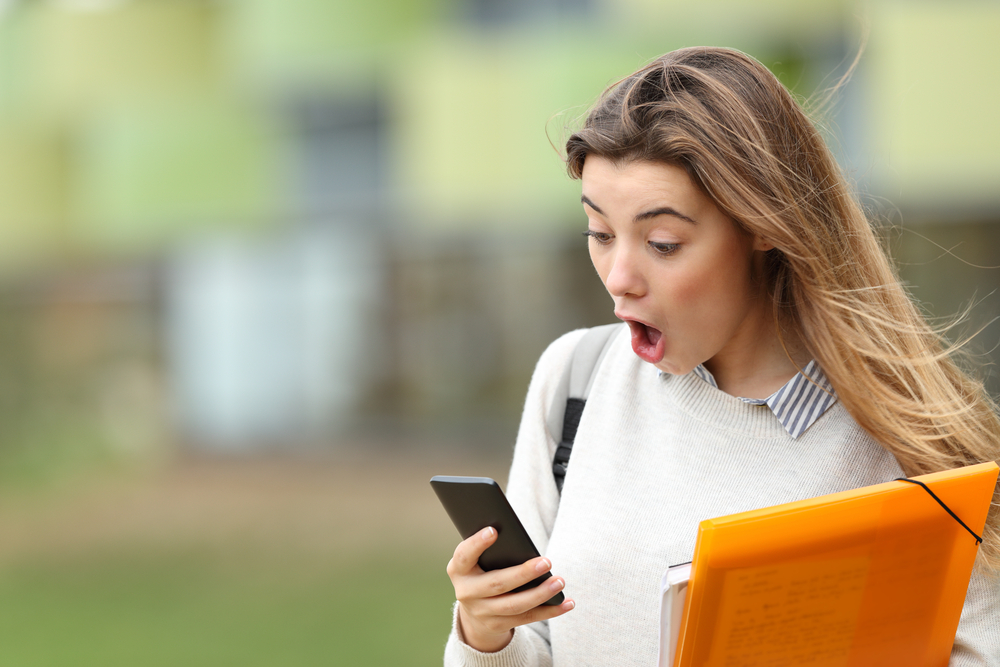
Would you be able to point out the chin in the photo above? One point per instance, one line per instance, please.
(672, 368)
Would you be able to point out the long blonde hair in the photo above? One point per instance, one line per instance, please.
(745, 141)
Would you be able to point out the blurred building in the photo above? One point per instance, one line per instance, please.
(263, 223)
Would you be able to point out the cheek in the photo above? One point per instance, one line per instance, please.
(688, 289)
(712, 287)
(701, 284)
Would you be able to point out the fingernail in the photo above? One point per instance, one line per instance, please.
(556, 584)
(543, 565)
(568, 604)
(488, 533)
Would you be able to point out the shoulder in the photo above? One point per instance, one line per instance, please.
(558, 354)
(550, 380)
(583, 348)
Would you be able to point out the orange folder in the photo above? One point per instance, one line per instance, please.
(875, 576)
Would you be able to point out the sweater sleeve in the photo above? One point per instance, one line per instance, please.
(532, 492)
(977, 643)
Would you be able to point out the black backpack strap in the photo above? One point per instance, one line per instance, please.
(575, 385)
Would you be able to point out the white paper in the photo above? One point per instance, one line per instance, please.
(674, 592)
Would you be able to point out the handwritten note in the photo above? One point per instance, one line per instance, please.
(771, 619)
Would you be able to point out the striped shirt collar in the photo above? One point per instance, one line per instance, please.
(799, 403)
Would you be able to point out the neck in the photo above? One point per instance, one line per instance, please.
(757, 362)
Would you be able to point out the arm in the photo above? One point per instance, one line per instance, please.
(532, 492)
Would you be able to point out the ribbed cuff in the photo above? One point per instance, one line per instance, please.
(459, 654)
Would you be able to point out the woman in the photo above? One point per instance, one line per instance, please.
(771, 356)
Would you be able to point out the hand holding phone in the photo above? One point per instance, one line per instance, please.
(500, 580)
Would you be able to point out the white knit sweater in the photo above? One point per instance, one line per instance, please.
(655, 455)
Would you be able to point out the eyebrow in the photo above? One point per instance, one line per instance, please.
(645, 215)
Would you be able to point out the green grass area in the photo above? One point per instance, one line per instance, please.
(197, 610)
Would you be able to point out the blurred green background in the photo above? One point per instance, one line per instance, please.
(268, 265)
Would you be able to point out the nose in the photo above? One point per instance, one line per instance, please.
(625, 276)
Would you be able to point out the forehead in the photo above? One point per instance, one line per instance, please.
(639, 184)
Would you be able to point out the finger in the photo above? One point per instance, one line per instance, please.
(537, 613)
(466, 558)
(545, 612)
(517, 604)
(503, 624)
(498, 582)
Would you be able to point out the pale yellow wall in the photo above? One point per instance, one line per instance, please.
(82, 62)
(933, 94)
(472, 121)
(33, 177)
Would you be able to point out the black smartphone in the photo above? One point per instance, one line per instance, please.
(473, 503)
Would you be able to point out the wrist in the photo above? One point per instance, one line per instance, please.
(479, 638)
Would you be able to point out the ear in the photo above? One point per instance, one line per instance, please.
(762, 244)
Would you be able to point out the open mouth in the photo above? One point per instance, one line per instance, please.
(647, 341)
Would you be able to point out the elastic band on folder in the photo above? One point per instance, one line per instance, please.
(947, 509)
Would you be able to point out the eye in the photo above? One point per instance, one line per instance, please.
(664, 249)
(602, 238)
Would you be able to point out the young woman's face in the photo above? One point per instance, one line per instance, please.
(678, 269)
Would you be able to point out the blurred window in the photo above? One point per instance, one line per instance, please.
(339, 154)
